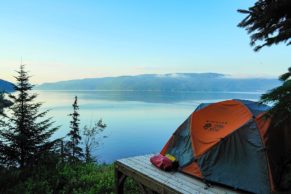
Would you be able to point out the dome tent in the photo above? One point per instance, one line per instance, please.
(227, 143)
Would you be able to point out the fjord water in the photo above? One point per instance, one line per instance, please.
(138, 122)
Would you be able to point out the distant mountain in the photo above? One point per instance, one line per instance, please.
(6, 86)
(166, 82)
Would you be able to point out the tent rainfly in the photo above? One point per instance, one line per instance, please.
(231, 143)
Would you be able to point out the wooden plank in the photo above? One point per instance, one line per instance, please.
(180, 180)
(161, 177)
(174, 180)
(144, 179)
(192, 180)
(176, 175)
(165, 177)
(182, 184)
(189, 180)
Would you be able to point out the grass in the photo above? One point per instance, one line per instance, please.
(65, 179)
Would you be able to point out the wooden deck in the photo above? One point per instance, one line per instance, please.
(153, 180)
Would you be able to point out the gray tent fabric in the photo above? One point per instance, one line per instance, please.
(181, 146)
(241, 154)
(248, 156)
(201, 106)
(255, 107)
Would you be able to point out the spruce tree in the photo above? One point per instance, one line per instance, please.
(25, 132)
(4, 103)
(268, 22)
(74, 150)
(281, 99)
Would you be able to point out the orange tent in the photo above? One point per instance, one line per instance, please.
(228, 143)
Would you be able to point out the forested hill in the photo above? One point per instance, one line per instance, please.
(6, 86)
(166, 82)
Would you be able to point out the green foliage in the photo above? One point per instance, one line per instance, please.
(280, 114)
(74, 150)
(92, 139)
(25, 135)
(268, 21)
(286, 181)
(64, 179)
(4, 103)
(93, 178)
(281, 99)
(31, 163)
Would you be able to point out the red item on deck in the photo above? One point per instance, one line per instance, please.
(161, 162)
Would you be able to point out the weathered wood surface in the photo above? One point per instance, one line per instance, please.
(153, 180)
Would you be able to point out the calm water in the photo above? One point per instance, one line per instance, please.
(138, 122)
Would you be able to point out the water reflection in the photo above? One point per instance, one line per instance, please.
(138, 122)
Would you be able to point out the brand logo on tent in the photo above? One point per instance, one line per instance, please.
(214, 125)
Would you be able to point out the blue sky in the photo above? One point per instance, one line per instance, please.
(60, 40)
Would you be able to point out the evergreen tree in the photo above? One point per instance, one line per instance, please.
(281, 98)
(25, 133)
(74, 151)
(4, 103)
(268, 21)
